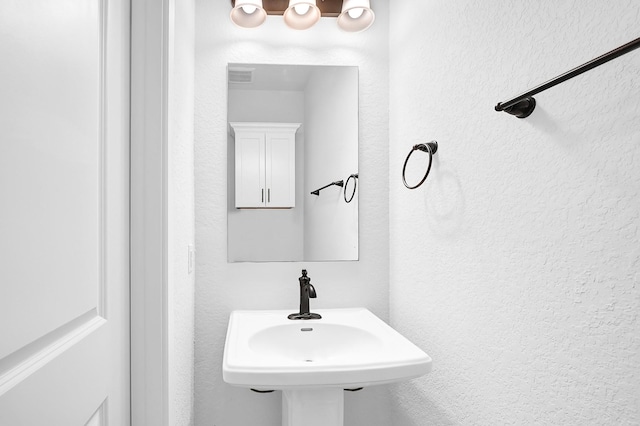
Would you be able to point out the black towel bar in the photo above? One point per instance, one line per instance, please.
(337, 183)
(523, 105)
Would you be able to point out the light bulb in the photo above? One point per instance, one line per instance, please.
(249, 9)
(356, 12)
(301, 9)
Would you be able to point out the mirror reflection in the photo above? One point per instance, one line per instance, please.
(292, 153)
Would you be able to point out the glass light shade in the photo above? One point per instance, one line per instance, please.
(293, 17)
(356, 15)
(248, 13)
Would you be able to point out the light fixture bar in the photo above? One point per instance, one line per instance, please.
(328, 8)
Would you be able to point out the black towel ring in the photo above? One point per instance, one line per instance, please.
(431, 148)
(355, 184)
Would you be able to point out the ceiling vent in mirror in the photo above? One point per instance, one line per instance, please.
(241, 75)
(351, 15)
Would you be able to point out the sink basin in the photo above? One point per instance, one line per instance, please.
(320, 342)
(347, 348)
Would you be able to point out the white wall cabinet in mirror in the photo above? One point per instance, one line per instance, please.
(265, 164)
(324, 101)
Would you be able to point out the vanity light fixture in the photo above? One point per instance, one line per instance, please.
(248, 13)
(352, 15)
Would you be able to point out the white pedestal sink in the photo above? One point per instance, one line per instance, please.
(313, 407)
(312, 361)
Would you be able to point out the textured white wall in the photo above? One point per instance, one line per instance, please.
(181, 213)
(516, 265)
(222, 287)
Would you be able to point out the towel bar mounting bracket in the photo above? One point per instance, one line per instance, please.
(521, 109)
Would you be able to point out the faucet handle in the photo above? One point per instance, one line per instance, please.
(304, 279)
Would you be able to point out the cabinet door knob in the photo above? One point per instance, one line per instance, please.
(269, 195)
(263, 195)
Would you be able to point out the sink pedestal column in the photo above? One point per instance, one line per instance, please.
(313, 407)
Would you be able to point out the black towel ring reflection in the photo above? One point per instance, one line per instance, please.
(431, 148)
(346, 184)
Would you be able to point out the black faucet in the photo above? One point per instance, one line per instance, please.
(306, 291)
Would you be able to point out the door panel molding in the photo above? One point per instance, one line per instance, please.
(102, 164)
(34, 355)
(16, 367)
(99, 418)
(12, 341)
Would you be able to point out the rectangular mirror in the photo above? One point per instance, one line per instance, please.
(292, 141)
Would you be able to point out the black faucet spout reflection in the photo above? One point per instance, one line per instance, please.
(307, 291)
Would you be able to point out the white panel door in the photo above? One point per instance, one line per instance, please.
(64, 212)
(250, 170)
(281, 170)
